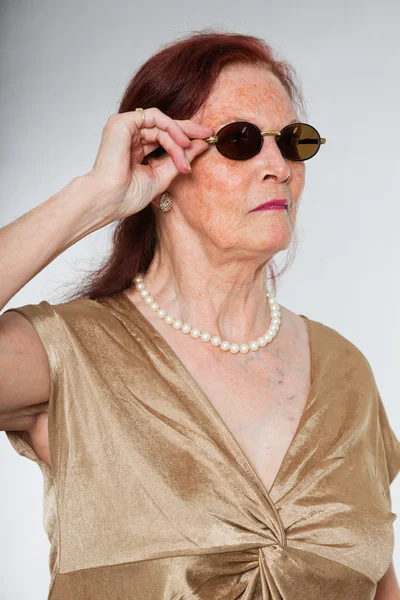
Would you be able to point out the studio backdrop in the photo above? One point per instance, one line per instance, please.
(63, 69)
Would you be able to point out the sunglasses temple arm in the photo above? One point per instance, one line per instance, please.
(212, 139)
(278, 133)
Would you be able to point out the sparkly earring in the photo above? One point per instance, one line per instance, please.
(166, 202)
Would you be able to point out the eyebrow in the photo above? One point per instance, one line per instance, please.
(231, 119)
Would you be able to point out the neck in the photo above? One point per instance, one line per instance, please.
(224, 297)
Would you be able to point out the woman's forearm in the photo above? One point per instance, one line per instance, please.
(35, 239)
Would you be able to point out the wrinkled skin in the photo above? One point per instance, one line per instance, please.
(210, 267)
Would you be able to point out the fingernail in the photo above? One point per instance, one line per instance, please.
(188, 165)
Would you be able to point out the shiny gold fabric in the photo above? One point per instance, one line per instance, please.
(150, 497)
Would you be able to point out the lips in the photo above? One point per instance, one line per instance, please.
(276, 202)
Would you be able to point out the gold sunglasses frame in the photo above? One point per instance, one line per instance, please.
(213, 139)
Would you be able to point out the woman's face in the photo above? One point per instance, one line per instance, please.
(216, 199)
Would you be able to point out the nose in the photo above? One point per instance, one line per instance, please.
(272, 160)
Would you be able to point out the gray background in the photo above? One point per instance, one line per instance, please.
(64, 66)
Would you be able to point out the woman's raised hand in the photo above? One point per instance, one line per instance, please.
(121, 181)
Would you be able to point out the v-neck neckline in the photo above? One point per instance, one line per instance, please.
(123, 298)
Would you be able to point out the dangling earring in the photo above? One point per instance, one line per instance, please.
(166, 202)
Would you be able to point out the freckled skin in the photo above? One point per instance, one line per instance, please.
(210, 267)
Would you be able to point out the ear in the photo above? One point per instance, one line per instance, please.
(156, 201)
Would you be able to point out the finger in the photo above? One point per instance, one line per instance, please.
(178, 130)
(137, 155)
(154, 119)
(147, 148)
(174, 149)
(116, 140)
(189, 129)
(195, 130)
(166, 170)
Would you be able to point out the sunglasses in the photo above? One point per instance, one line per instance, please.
(242, 140)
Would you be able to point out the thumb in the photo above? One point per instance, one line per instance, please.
(167, 170)
(197, 147)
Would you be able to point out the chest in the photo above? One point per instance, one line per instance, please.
(260, 398)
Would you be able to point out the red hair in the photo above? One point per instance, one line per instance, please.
(177, 79)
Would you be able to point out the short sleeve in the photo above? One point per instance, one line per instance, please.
(67, 332)
(43, 317)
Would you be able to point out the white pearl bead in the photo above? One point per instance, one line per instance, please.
(205, 336)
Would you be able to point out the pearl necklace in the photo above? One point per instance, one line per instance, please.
(215, 340)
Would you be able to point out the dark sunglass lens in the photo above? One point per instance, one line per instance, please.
(239, 140)
(299, 141)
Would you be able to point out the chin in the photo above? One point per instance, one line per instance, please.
(272, 243)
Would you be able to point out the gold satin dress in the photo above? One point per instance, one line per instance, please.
(150, 497)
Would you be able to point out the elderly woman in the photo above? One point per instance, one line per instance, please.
(197, 439)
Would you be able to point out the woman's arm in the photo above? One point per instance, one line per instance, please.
(388, 587)
(35, 239)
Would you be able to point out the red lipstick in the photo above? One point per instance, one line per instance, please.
(276, 203)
